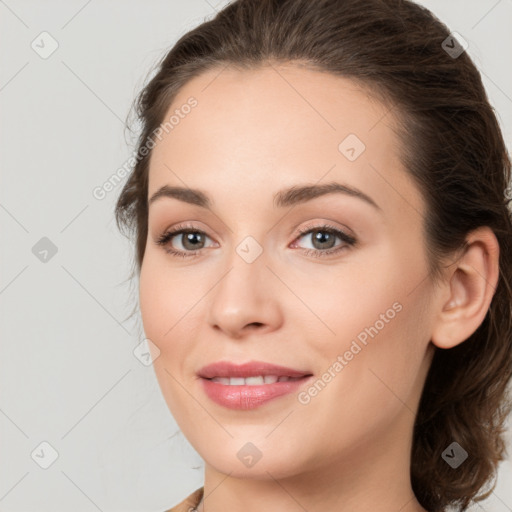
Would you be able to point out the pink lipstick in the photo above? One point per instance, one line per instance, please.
(249, 385)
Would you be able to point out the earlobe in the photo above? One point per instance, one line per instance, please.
(470, 287)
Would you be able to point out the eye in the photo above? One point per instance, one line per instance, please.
(323, 239)
(192, 240)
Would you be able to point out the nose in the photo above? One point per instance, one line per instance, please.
(246, 299)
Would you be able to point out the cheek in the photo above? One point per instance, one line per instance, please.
(164, 303)
(380, 380)
(171, 309)
(379, 325)
(360, 293)
(164, 296)
(152, 301)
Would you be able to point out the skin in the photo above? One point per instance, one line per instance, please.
(252, 134)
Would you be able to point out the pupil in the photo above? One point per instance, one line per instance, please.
(319, 237)
(189, 237)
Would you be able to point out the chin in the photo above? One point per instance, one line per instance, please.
(276, 463)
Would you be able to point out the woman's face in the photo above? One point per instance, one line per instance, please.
(260, 278)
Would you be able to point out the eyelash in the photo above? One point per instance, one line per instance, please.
(182, 229)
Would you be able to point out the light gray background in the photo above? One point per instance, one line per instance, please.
(68, 375)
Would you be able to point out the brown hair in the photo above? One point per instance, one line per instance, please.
(452, 146)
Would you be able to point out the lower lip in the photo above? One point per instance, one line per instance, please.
(249, 397)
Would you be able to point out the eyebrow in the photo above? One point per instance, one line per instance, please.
(287, 197)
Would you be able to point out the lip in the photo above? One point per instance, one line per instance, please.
(246, 397)
(250, 369)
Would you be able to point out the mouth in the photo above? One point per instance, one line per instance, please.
(256, 380)
(249, 385)
(251, 373)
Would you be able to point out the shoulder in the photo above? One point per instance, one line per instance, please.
(189, 502)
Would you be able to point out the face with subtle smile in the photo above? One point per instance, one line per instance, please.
(330, 280)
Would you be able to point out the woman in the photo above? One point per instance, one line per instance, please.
(324, 253)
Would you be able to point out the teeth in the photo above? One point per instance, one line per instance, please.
(222, 380)
(252, 381)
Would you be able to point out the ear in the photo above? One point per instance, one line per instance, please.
(466, 294)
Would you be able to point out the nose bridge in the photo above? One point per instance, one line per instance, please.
(246, 272)
(244, 293)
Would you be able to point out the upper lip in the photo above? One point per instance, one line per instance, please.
(250, 369)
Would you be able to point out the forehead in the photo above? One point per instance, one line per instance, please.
(274, 126)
